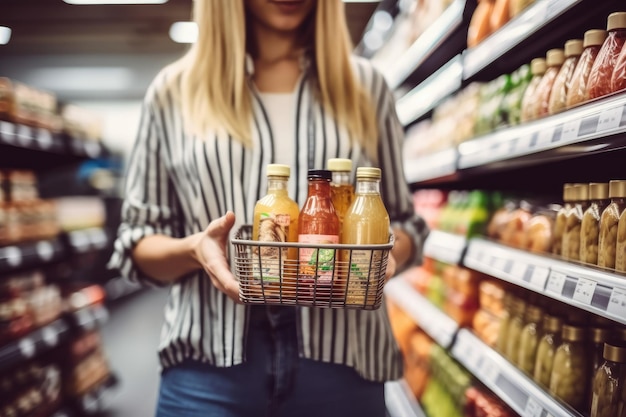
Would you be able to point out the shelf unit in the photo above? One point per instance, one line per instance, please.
(400, 401)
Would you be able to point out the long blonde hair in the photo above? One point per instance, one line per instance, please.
(215, 93)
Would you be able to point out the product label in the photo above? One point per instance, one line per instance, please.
(317, 265)
(364, 268)
(269, 261)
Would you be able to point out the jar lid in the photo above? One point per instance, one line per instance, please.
(340, 164)
(555, 57)
(368, 172)
(567, 197)
(614, 353)
(573, 333)
(322, 174)
(617, 188)
(616, 20)
(534, 313)
(278, 170)
(573, 47)
(600, 334)
(538, 66)
(552, 323)
(594, 37)
(598, 191)
(580, 192)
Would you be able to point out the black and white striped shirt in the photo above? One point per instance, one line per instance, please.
(177, 184)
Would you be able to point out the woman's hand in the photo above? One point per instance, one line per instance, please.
(391, 267)
(210, 250)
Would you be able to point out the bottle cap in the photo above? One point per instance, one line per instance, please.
(278, 170)
(600, 334)
(580, 192)
(614, 353)
(552, 323)
(617, 188)
(573, 47)
(322, 174)
(538, 66)
(555, 57)
(573, 333)
(368, 172)
(594, 37)
(340, 164)
(616, 20)
(567, 194)
(534, 314)
(598, 191)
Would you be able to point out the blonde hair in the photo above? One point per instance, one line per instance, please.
(215, 93)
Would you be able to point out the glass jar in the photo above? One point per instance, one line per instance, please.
(529, 339)
(573, 220)
(590, 225)
(570, 372)
(620, 248)
(600, 78)
(559, 222)
(607, 243)
(592, 44)
(503, 331)
(558, 96)
(608, 384)
(516, 324)
(599, 336)
(548, 343)
(554, 61)
(537, 69)
(341, 188)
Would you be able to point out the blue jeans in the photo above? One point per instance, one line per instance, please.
(273, 382)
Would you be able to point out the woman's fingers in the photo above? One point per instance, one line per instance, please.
(215, 255)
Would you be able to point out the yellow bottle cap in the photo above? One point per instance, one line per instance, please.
(538, 66)
(616, 20)
(594, 37)
(368, 172)
(555, 57)
(339, 164)
(573, 47)
(278, 170)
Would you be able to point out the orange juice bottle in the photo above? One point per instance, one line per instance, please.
(275, 220)
(365, 222)
(341, 188)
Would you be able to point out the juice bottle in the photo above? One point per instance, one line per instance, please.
(275, 220)
(341, 188)
(318, 223)
(366, 222)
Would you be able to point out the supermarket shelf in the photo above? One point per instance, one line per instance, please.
(537, 16)
(98, 397)
(521, 393)
(445, 247)
(30, 254)
(400, 401)
(589, 288)
(438, 165)
(86, 240)
(27, 137)
(425, 96)
(433, 321)
(33, 344)
(90, 318)
(440, 30)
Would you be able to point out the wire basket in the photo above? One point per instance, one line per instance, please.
(338, 275)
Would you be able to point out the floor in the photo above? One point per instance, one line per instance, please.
(130, 339)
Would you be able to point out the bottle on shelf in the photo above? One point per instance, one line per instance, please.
(592, 43)
(620, 248)
(546, 349)
(608, 384)
(275, 220)
(318, 223)
(514, 331)
(529, 339)
(600, 77)
(590, 225)
(570, 372)
(554, 61)
(538, 69)
(365, 222)
(341, 188)
(599, 336)
(559, 222)
(558, 95)
(618, 78)
(609, 221)
(571, 234)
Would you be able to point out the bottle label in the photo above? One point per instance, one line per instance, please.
(269, 261)
(362, 279)
(317, 265)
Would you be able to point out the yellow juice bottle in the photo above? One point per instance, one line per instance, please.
(341, 188)
(275, 220)
(365, 222)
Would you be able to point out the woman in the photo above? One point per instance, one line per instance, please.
(268, 81)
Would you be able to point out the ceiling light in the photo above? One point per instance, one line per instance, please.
(88, 2)
(5, 35)
(184, 32)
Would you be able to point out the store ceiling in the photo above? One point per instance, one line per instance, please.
(50, 36)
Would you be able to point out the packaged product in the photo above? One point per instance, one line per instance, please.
(554, 61)
(529, 339)
(539, 229)
(518, 6)
(607, 243)
(486, 326)
(599, 336)
(620, 249)
(514, 330)
(600, 77)
(480, 23)
(609, 396)
(491, 297)
(592, 43)
(571, 234)
(342, 190)
(558, 96)
(546, 349)
(511, 111)
(537, 69)
(590, 225)
(499, 14)
(618, 78)
(570, 371)
(559, 222)
(514, 231)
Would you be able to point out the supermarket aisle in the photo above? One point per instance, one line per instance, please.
(130, 339)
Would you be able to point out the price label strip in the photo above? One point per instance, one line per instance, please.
(533, 408)
(584, 290)
(545, 137)
(518, 271)
(610, 119)
(539, 277)
(570, 130)
(617, 303)
(556, 282)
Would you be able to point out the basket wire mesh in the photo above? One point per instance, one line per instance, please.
(338, 275)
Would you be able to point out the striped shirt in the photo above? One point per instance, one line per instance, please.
(176, 184)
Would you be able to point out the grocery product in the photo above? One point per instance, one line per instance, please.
(480, 23)
(366, 222)
(592, 43)
(514, 331)
(341, 188)
(546, 349)
(529, 339)
(518, 6)
(275, 220)
(491, 297)
(538, 69)
(539, 229)
(558, 95)
(609, 220)
(559, 223)
(511, 107)
(618, 78)
(620, 249)
(514, 231)
(590, 225)
(499, 14)
(609, 397)
(503, 331)
(570, 372)
(571, 234)
(486, 326)
(599, 336)
(599, 83)
(554, 61)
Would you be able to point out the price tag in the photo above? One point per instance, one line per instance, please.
(24, 134)
(44, 137)
(45, 250)
(499, 264)
(13, 256)
(556, 282)
(617, 303)
(471, 357)
(27, 347)
(545, 136)
(532, 409)
(584, 290)
(610, 119)
(490, 371)
(50, 336)
(523, 144)
(539, 277)
(570, 130)
(518, 270)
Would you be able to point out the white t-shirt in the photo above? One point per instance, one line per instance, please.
(280, 109)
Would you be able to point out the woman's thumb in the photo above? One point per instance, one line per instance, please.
(219, 228)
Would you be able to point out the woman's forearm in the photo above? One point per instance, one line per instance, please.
(166, 259)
